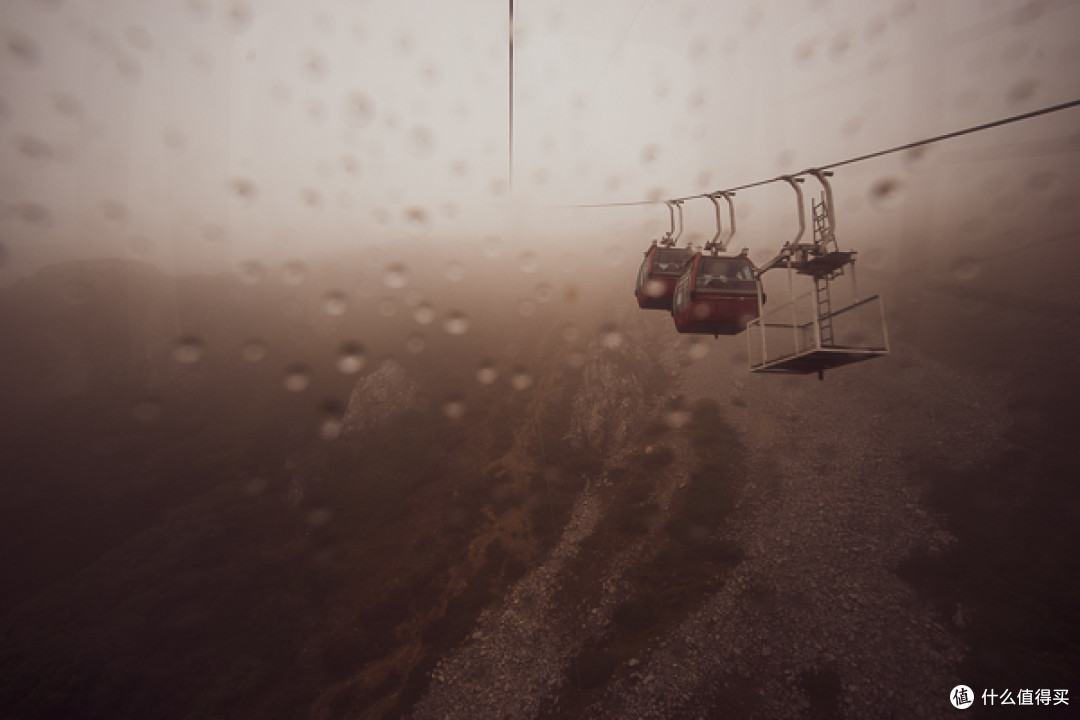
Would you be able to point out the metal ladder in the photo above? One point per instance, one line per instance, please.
(824, 242)
(824, 237)
(824, 310)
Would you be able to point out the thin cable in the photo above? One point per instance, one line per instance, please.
(860, 158)
(619, 45)
(958, 133)
(510, 171)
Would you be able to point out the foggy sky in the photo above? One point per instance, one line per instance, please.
(198, 134)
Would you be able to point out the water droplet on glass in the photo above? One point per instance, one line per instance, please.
(424, 314)
(350, 358)
(698, 350)
(189, 349)
(459, 167)
(33, 147)
(887, 194)
(254, 351)
(415, 344)
(67, 105)
(543, 293)
(526, 308)
(654, 288)
(841, 43)
(454, 408)
(297, 378)
(492, 246)
(313, 66)
(139, 37)
(487, 373)
(244, 189)
(1023, 90)
(610, 338)
(528, 262)
(358, 110)
(914, 156)
(335, 303)
(332, 414)
(455, 271)
(238, 16)
(677, 418)
(568, 263)
(417, 220)
(396, 276)
(252, 272)
(521, 380)
(422, 141)
(570, 333)
(22, 48)
(147, 411)
(649, 155)
(33, 214)
(456, 323)
(311, 198)
(388, 307)
(350, 164)
(293, 272)
(965, 268)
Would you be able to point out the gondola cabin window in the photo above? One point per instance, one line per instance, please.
(715, 296)
(659, 272)
(682, 292)
(670, 261)
(729, 275)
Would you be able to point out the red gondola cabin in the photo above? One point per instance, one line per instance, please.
(658, 274)
(715, 295)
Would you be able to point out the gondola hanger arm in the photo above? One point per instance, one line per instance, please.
(715, 245)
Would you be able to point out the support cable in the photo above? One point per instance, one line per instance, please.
(510, 170)
(849, 161)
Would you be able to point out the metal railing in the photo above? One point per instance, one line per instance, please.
(794, 330)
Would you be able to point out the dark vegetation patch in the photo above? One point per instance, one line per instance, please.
(548, 500)
(693, 558)
(1013, 571)
(177, 569)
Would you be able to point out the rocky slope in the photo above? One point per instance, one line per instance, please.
(814, 622)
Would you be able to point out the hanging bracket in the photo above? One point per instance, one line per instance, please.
(672, 236)
(716, 245)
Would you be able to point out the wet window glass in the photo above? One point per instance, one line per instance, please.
(324, 393)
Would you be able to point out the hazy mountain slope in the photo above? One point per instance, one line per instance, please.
(571, 513)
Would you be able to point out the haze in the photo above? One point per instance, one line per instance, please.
(195, 135)
(311, 407)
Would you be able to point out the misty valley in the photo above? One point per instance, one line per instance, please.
(567, 512)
